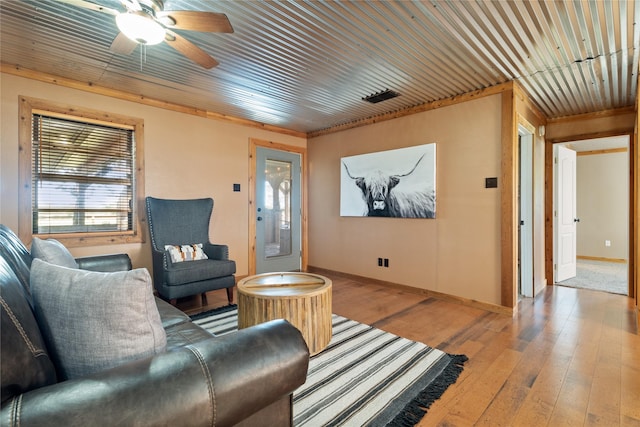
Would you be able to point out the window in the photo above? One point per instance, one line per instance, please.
(82, 176)
(84, 172)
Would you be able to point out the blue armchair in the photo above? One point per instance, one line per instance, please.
(185, 223)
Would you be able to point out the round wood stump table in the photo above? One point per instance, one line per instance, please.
(304, 299)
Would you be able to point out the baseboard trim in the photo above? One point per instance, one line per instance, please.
(597, 258)
(509, 311)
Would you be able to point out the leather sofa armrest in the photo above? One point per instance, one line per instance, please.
(105, 263)
(219, 381)
(169, 315)
(215, 251)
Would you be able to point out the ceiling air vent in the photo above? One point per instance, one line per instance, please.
(374, 98)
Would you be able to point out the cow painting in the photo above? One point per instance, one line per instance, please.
(386, 193)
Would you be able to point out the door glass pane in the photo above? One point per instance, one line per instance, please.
(277, 212)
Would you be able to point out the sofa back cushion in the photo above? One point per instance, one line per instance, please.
(92, 320)
(18, 258)
(52, 251)
(24, 361)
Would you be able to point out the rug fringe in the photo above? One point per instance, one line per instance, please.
(218, 310)
(415, 410)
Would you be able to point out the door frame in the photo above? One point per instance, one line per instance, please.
(633, 227)
(254, 143)
(526, 135)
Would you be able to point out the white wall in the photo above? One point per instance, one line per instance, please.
(603, 205)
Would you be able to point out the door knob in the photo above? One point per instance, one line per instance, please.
(259, 218)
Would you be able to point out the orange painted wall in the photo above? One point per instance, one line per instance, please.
(458, 253)
(185, 156)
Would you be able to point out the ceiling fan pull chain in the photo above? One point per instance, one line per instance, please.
(143, 54)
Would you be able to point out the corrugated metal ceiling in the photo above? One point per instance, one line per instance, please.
(305, 65)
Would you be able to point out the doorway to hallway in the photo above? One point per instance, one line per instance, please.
(603, 213)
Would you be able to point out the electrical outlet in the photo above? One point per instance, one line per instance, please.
(607, 243)
(386, 262)
(379, 262)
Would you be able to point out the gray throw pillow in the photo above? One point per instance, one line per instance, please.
(94, 321)
(53, 252)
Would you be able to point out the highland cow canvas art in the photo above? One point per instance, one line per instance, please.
(397, 183)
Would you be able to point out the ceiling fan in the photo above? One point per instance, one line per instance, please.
(145, 22)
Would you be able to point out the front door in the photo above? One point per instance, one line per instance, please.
(278, 210)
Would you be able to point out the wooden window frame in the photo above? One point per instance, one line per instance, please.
(29, 106)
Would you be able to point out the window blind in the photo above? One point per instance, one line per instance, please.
(82, 176)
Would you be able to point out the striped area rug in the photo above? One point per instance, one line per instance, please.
(365, 376)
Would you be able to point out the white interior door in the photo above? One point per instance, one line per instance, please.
(278, 211)
(565, 217)
(526, 214)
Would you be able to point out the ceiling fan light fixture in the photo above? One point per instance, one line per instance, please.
(140, 28)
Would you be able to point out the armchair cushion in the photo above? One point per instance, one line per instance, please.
(53, 252)
(187, 272)
(92, 321)
(180, 253)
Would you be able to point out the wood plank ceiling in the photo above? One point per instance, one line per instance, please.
(306, 65)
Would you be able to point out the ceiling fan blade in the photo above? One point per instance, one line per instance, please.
(91, 6)
(131, 5)
(190, 50)
(209, 22)
(122, 45)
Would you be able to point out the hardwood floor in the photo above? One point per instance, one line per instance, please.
(569, 357)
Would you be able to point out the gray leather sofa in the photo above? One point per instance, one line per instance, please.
(244, 378)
